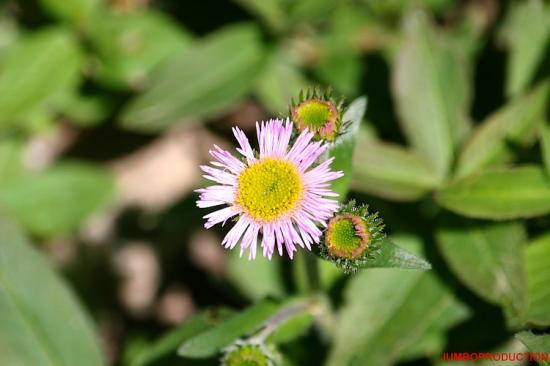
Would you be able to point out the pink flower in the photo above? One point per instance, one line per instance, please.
(277, 195)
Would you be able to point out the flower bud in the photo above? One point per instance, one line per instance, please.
(318, 112)
(243, 353)
(352, 236)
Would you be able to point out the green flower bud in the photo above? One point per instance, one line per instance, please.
(243, 353)
(352, 236)
(319, 113)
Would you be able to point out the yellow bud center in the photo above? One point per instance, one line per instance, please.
(314, 113)
(318, 116)
(268, 189)
(347, 236)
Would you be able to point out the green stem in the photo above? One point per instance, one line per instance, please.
(312, 273)
(275, 321)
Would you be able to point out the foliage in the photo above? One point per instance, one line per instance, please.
(448, 137)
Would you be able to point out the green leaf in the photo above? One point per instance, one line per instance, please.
(431, 343)
(74, 11)
(487, 257)
(256, 279)
(57, 200)
(535, 343)
(203, 81)
(513, 125)
(41, 323)
(169, 342)
(510, 346)
(391, 171)
(310, 11)
(538, 278)
(85, 110)
(387, 311)
(292, 328)
(130, 46)
(431, 90)
(343, 147)
(342, 70)
(270, 11)
(40, 66)
(210, 342)
(526, 33)
(545, 144)
(392, 256)
(11, 159)
(499, 194)
(279, 82)
(396, 7)
(339, 63)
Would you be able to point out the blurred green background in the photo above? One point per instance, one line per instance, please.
(107, 107)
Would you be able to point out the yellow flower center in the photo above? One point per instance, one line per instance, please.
(269, 188)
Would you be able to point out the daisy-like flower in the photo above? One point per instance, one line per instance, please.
(277, 195)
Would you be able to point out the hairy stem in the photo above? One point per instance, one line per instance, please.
(276, 320)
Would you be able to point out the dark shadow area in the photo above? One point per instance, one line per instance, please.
(201, 17)
(376, 85)
(489, 73)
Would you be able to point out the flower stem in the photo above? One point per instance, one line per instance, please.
(312, 273)
(279, 318)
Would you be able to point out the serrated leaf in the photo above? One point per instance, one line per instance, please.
(514, 124)
(41, 323)
(386, 311)
(487, 257)
(37, 68)
(499, 194)
(169, 342)
(72, 190)
(538, 277)
(526, 32)
(391, 171)
(435, 119)
(210, 342)
(343, 148)
(203, 81)
(131, 46)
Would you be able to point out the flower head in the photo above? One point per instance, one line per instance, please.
(352, 236)
(318, 112)
(243, 353)
(277, 194)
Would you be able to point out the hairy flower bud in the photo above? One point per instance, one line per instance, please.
(318, 112)
(352, 236)
(243, 353)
